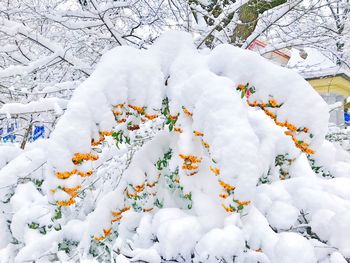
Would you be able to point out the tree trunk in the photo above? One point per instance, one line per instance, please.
(248, 17)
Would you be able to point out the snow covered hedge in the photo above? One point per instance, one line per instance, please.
(174, 154)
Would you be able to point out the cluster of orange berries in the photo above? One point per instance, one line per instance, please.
(133, 127)
(79, 157)
(98, 142)
(119, 111)
(106, 133)
(120, 105)
(131, 195)
(231, 209)
(151, 116)
(73, 192)
(242, 202)
(205, 145)
(152, 184)
(303, 146)
(228, 209)
(68, 202)
(223, 195)
(190, 162)
(228, 191)
(272, 104)
(177, 129)
(118, 214)
(140, 110)
(102, 137)
(241, 87)
(173, 117)
(66, 175)
(106, 232)
(198, 134)
(226, 186)
(214, 170)
(121, 120)
(187, 112)
(139, 188)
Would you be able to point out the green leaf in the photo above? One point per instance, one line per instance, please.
(33, 225)
(58, 213)
(38, 183)
(42, 230)
(98, 150)
(115, 135)
(158, 203)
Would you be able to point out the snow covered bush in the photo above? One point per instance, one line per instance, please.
(340, 137)
(174, 154)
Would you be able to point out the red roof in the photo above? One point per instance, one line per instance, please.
(258, 43)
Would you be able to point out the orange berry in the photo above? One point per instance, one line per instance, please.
(140, 110)
(187, 112)
(116, 219)
(151, 117)
(197, 133)
(243, 202)
(179, 130)
(205, 145)
(228, 209)
(224, 195)
(216, 171)
(241, 87)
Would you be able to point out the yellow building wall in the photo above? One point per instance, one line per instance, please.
(336, 84)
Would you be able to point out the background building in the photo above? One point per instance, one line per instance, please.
(330, 80)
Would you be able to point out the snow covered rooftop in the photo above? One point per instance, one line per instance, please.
(315, 65)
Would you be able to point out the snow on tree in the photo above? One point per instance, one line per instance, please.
(49, 47)
(175, 154)
(323, 25)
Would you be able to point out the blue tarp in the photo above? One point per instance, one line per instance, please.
(347, 118)
(8, 136)
(39, 132)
